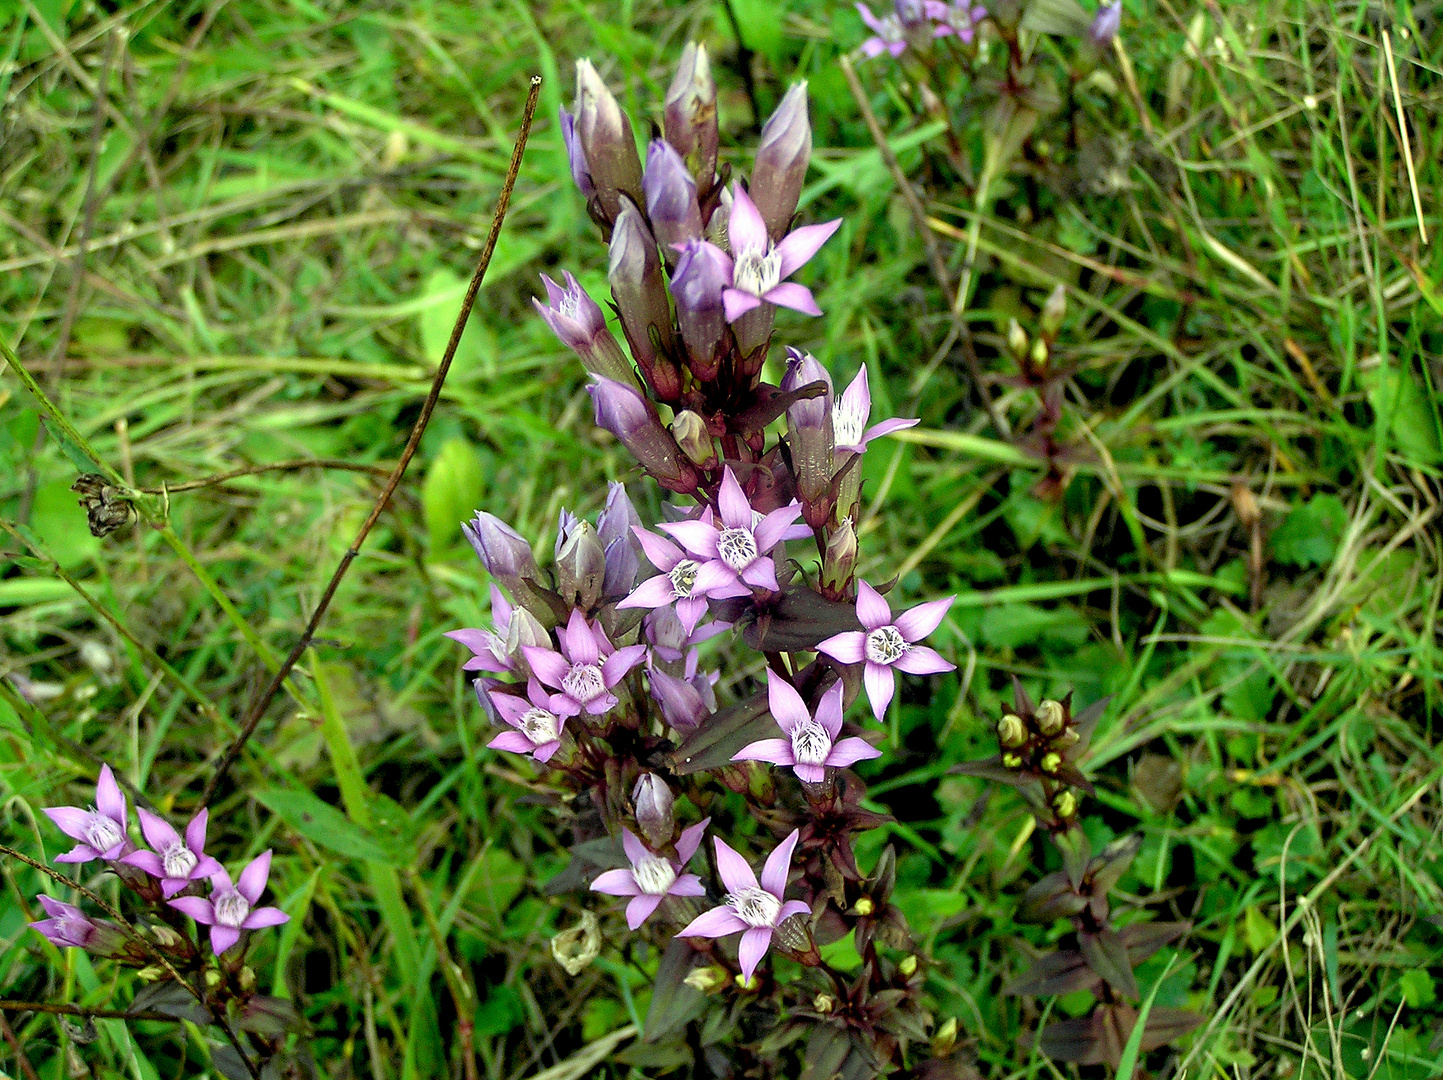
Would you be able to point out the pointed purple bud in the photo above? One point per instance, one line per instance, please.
(578, 321)
(69, 927)
(623, 566)
(628, 416)
(809, 434)
(618, 518)
(782, 158)
(702, 272)
(639, 290)
(604, 133)
(502, 550)
(1106, 23)
(681, 703)
(653, 801)
(580, 566)
(575, 156)
(670, 197)
(689, 114)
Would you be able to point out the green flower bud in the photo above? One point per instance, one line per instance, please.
(1016, 338)
(689, 431)
(1051, 717)
(864, 906)
(1065, 803)
(1051, 762)
(1012, 761)
(1054, 311)
(708, 979)
(824, 1003)
(1011, 731)
(574, 949)
(908, 966)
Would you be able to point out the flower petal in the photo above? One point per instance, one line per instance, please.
(690, 839)
(717, 580)
(640, 909)
(687, 885)
(761, 573)
(921, 660)
(632, 845)
(873, 23)
(659, 551)
(261, 917)
(195, 831)
(690, 612)
(222, 938)
(921, 620)
(736, 872)
(510, 707)
(197, 907)
(478, 641)
(148, 861)
(578, 642)
(829, 711)
(616, 883)
(70, 820)
(546, 751)
(718, 922)
(881, 685)
(736, 512)
(776, 751)
(811, 774)
(157, 831)
(789, 294)
(872, 609)
(799, 245)
(773, 528)
(601, 704)
(887, 427)
(746, 230)
(793, 907)
(546, 664)
(848, 647)
(620, 662)
(753, 947)
(779, 865)
(108, 799)
(78, 854)
(736, 303)
(786, 705)
(851, 750)
(513, 742)
(252, 881)
(698, 537)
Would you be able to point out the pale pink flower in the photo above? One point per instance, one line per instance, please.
(231, 908)
(651, 878)
(811, 742)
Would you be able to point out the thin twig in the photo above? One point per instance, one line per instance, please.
(279, 466)
(26, 1069)
(253, 718)
(929, 241)
(6, 1005)
(1407, 155)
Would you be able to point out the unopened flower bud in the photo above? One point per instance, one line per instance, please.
(1012, 761)
(781, 164)
(502, 550)
(212, 977)
(681, 703)
(581, 567)
(618, 517)
(628, 416)
(810, 436)
(604, 135)
(1065, 740)
(1065, 803)
(1106, 23)
(701, 275)
(1051, 717)
(1054, 311)
(824, 1003)
(670, 198)
(623, 566)
(1016, 338)
(749, 983)
(1011, 731)
(574, 949)
(908, 966)
(840, 563)
(945, 1037)
(689, 116)
(164, 936)
(247, 978)
(708, 979)
(1038, 354)
(150, 973)
(578, 321)
(575, 155)
(653, 800)
(1051, 762)
(524, 630)
(864, 906)
(690, 432)
(639, 290)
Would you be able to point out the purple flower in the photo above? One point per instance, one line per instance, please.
(681, 701)
(585, 669)
(850, 412)
(682, 581)
(758, 269)
(579, 322)
(575, 156)
(811, 743)
(670, 641)
(960, 18)
(888, 34)
(1106, 23)
(100, 829)
(69, 927)
(177, 862)
(755, 910)
(652, 878)
(886, 643)
(738, 549)
(496, 650)
(538, 729)
(232, 908)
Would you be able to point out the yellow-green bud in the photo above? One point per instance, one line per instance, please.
(1068, 738)
(1051, 717)
(750, 983)
(1011, 731)
(151, 972)
(574, 949)
(1051, 762)
(1038, 355)
(247, 979)
(824, 1003)
(165, 936)
(213, 978)
(908, 966)
(1012, 761)
(691, 435)
(708, 979)
(1054, 311)
(1065, 803)
(945, 1037)
(864, 906)
(1016, 338)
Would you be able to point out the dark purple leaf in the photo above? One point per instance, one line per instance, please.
(797, 621)
(712, 745)
(1107, 955)
(1076, 854)
(1061, 972)
(772, 401)
(1051, 898)
(1080, 1041)
(673, 1002)
(1144, 939)
(1112, 862)
(1022, 702)
(172, 999)
(990, 769)
(827, 1048)
(1165, 1025)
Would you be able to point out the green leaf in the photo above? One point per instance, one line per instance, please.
(1310, 534)
(59, 521)
(1259, 930)
(323, 824)
(1417, 987)
(1066, 18)
(1403, 410)
(500, 1012)
(452, 490)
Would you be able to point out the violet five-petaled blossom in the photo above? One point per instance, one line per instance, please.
(755, 909)
(885, 643)
(231, 908)
(100, 829)
(488, 646)
(850, 412)
(537, 729)
(175, 860)
(960, 17)
(68, 926)
(738, 549)
(759, 268)
(888, 33)
(585, 669)
(683, 581)
(651, 878)
(811, 742)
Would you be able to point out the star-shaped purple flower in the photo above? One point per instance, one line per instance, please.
(537, 729)
(492, 649)
(682, 581)
(758, 269)
(752, 909)
(811, 742)
(669, 641)
(585, 669)
(886, 643)
(888, 33)
(737, 550)
(231, 908)
(100, 829)
(850, 413)
(960, 17)
(651, 878)
(69, 927)
(177, 862)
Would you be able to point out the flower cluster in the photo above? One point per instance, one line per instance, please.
(914, 24)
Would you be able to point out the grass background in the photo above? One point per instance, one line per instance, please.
(238, 234)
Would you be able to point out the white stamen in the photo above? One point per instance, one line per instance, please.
(757, 273)
(886, 645)
(584, 683)
(737, 548)
(654, 875)
(539, 726)
(178, 860)
(570, 305)
(847, 422)
(101, 832)
(230, 907)
(755, 906)
(810, 743)
(683, 578)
